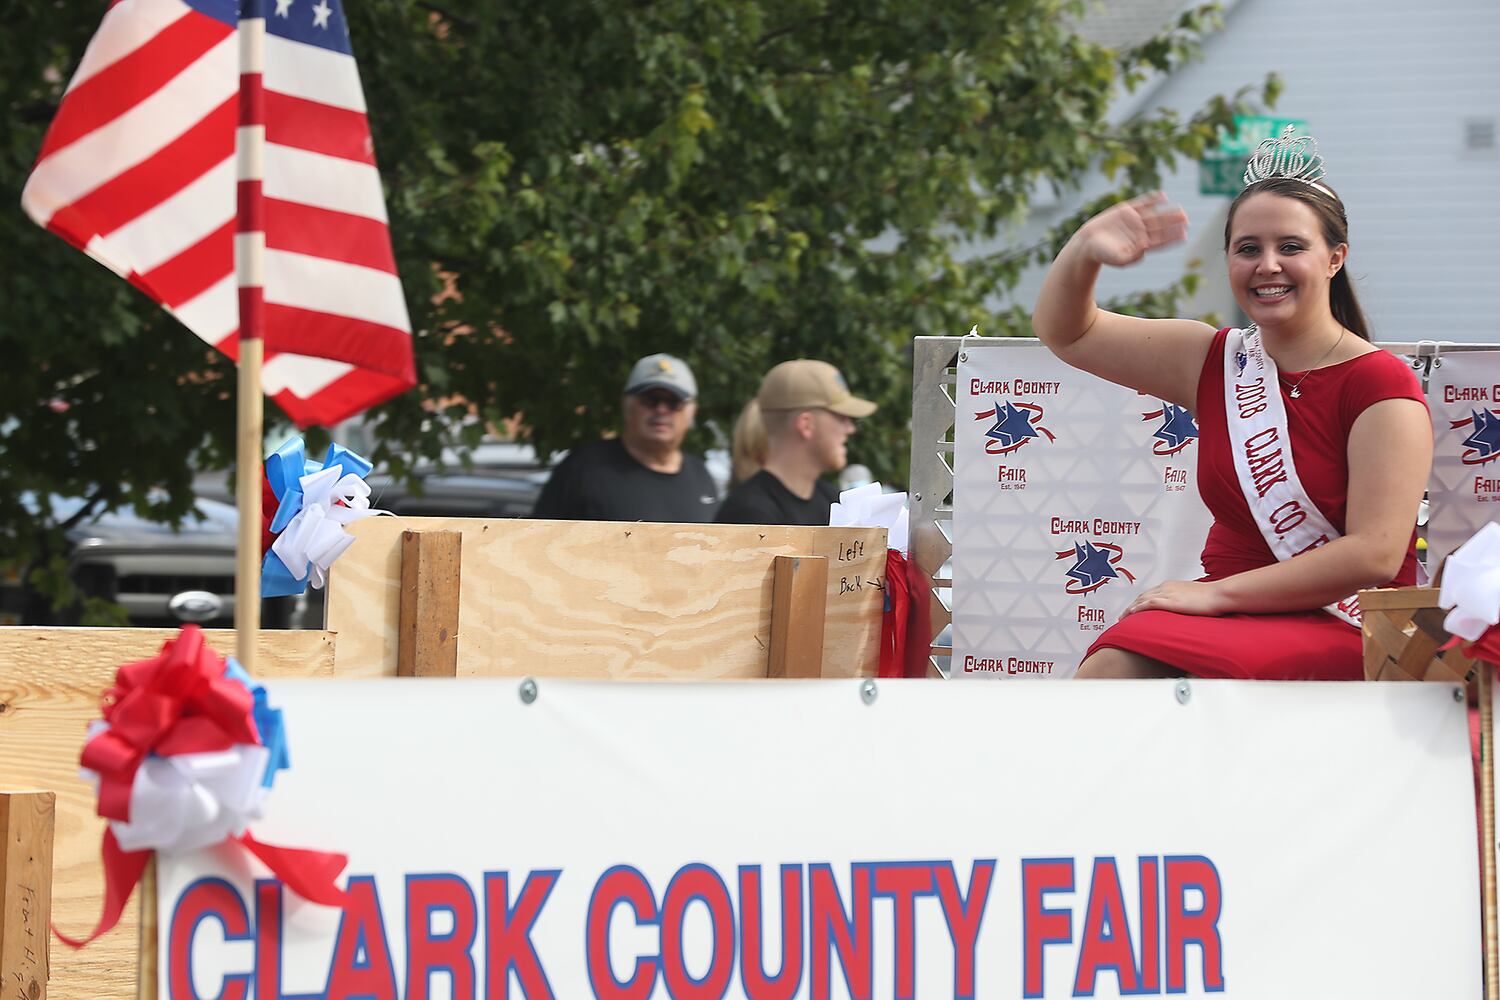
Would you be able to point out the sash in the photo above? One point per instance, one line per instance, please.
(1256, 414)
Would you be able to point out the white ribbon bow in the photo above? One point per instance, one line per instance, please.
(315, 536)
(193, 800)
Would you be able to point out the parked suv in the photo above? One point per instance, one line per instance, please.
(161, 576)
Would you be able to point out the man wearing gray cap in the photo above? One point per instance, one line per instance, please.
(808, 413)
(642, 475)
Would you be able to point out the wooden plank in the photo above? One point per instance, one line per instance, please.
(428, 620)
(1398, 599)
(26, 820)
(799, 601)
(50, 683)
(602, 599)
(146, 970)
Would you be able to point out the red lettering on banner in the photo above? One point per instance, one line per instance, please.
(1106, 934)
(1266, 471)
(978, 387)
(361, 933)
(449, 953)
(1251, 399)
(904, 883)
(1261, 440)
(1266, 467)
(621, 885)
(832, 929)
(1013, 665)
(1025, 388)
(1150, 928)
(697, 883)
(1041, 926)
(1197, 927)
(507, 935)
(1194, 899)
(752, 961)
(1483, 485)
(267, 939)
(206, 899)
(1096, 526)
(1468, 394)
(1288, 516)
(964, 914)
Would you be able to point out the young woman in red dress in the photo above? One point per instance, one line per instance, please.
(1315, 445)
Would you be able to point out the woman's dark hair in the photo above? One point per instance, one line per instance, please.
(1330, 212)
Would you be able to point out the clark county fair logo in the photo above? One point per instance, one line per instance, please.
(1483, 443)
(1015, 425)
(1094, 565)
(1178, 429)
(1176, 432)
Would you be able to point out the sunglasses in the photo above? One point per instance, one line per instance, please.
(660, 400)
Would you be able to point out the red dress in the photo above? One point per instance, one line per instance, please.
(1311, 645)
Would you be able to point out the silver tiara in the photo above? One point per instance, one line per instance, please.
(1292, 156)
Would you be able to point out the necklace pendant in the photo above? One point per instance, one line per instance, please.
(1296, 392)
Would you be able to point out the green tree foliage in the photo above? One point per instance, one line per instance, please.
(575, 183)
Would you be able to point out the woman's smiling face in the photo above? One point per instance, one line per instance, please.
(1280, 265)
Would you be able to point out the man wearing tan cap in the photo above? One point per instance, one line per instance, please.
(808, 413)
(642, 475)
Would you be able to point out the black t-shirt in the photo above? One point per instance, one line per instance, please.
(763, 499)
(600, 481)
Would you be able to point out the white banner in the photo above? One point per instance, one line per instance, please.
(787, 839)
(1070, 495)
(1464, 492)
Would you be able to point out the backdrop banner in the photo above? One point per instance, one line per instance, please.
(804, 839)
(1464, 491)
(1070, 495)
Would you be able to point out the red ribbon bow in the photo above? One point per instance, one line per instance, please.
(177, 702)
(180, 702)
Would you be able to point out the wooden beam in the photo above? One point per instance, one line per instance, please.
(26, 820)
(799, 603)
(430, 564)
(146, 974)
(610, 599)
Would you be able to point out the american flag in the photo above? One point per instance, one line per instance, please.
(138, 171)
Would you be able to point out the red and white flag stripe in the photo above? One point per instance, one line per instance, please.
(138, 170)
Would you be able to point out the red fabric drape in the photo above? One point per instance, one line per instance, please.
(906, 629)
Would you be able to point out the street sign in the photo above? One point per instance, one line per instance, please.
(1221, 171)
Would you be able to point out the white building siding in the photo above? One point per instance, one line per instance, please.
(1387, 89)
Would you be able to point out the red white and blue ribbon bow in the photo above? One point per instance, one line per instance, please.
(183, 759)
(314, 503)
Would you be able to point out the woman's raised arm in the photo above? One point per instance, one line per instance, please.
(1162, 357)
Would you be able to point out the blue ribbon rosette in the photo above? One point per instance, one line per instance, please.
(315, 503)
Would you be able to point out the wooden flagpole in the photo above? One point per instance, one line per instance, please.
(250, 269)
(250, 249)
